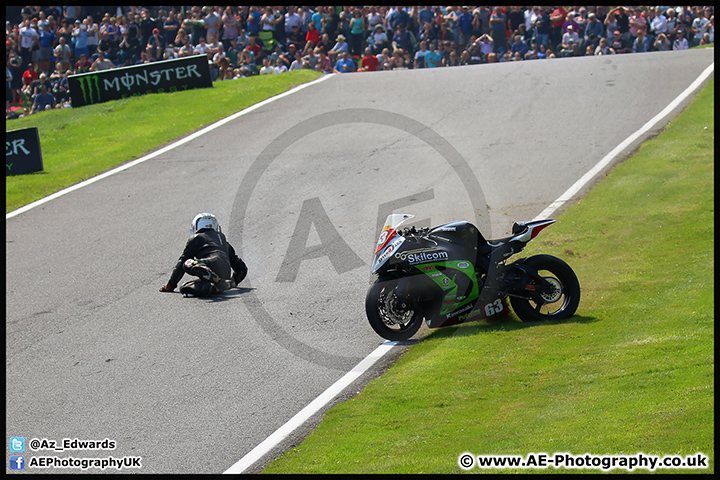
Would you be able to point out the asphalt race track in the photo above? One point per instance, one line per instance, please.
(301, 187)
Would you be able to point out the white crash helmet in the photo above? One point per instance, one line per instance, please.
(204, 220)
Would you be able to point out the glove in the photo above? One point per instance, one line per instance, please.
(167, 288)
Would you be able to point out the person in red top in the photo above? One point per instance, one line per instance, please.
(28, 78)
(254, 48)
(82, 65)
(29, 75)
(312, 34)
(369, 62)
(557, 18)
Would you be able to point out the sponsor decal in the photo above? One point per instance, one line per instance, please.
(22, 151)
(415, 257)
(457, 312)
(470, 315)
(123, 82)
(90, 88)
(381, 259)
(389, 249)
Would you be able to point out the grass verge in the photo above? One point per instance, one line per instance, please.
(632, 372)
(80, 143)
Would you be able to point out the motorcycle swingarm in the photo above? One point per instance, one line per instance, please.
(524, 288)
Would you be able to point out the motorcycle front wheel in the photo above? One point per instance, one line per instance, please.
(387, 315)
(560, 303)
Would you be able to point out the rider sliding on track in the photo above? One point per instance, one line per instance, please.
(208, 256)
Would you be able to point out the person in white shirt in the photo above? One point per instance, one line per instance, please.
(267, 69)
(570, 35)
(680, 42)
(29, 37)
(379, 39)
(658, 24)
(101, 63)
(280, 65)
(700, 25)
(292, 18)
(201, 48)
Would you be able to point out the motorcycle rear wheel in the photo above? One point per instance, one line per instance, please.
(386, 318)
(560, 304)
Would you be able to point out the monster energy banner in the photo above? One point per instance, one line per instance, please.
(22, 151)
(155, 77)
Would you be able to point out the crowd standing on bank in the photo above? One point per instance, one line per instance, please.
(46, 44)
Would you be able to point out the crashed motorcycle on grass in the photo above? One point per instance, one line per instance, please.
(450, 274)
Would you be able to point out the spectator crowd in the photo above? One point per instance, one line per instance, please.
(46, 44)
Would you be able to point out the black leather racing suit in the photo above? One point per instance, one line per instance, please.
(212, 250)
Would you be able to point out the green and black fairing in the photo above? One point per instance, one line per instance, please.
(440, 269)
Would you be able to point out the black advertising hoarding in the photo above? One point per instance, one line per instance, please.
(155, 77)
(22, 152)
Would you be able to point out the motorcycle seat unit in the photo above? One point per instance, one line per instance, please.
(522, 232)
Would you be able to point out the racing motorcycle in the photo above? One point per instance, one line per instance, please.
(450, 274)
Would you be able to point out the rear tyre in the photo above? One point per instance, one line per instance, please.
(561, 303)
(389, 317)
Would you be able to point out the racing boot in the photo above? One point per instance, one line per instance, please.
(197, 288)
(223, 285)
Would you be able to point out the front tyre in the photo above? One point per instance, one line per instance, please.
(391, 318)
(558, 304)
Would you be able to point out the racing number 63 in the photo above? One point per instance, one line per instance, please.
(494, 307)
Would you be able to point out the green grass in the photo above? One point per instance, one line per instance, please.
(80, 143)
(632, 372)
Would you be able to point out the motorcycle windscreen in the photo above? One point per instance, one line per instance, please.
(392, 222)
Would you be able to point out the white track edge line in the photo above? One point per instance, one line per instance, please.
(312, 408)
(607, 159)
(165, 149)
